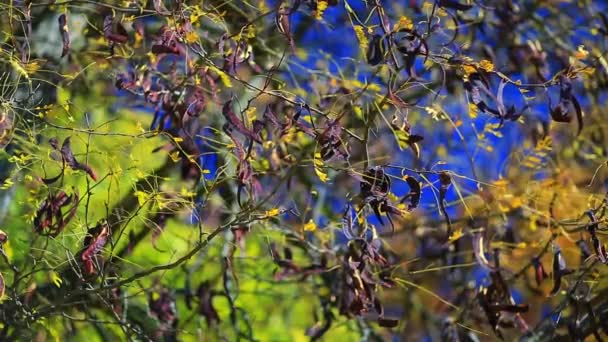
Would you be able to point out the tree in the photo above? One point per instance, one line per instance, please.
(287, 170)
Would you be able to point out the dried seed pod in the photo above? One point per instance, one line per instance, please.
(6, 129)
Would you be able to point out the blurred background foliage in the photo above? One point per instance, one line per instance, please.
(213, 236)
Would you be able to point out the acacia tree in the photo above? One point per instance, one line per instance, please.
(287, 170)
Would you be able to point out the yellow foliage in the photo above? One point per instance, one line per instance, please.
(272, 212)
(403, 23)
(310, 226)
(581, 52)
(456, 235)
(318, 164)
(321, 7)
(473, 111)
(361, 37)
(486, 65)
(191, 37)
(223, 76)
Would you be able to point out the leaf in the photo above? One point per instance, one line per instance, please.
(318, 164)
(321, 7)
(473, 112)
(272, 212)
(223, 76)
(361, 37)
(56, 279)
(403, 23)
(486, 65)
(404, 138)
(310, 226)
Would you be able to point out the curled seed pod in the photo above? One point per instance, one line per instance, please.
(376, 50)
(6, 129)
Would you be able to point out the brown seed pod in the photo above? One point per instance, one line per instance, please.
(6, 128)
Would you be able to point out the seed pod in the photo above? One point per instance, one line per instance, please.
(6, 129)
(376, 50)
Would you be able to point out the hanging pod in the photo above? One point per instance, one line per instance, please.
(376, 50)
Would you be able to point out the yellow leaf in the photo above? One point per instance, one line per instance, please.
(318, 164)
(581, 52)
(56, 279)
(321, 7)
(501, 183)
(7, 184)
(589, 71)
(272, 212)
(142, 197)
(174, 156)
(223, 76)
(358, 112)
(263, 6)
(486, 65)
(456, 235)
(403, 23)
(361, 37)
(473, 111)
(32, 67)
(468, 69)
(516, 202)
(191, 37)
(310, 226)
(533, 226)
(250, 115)
(8, 250)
